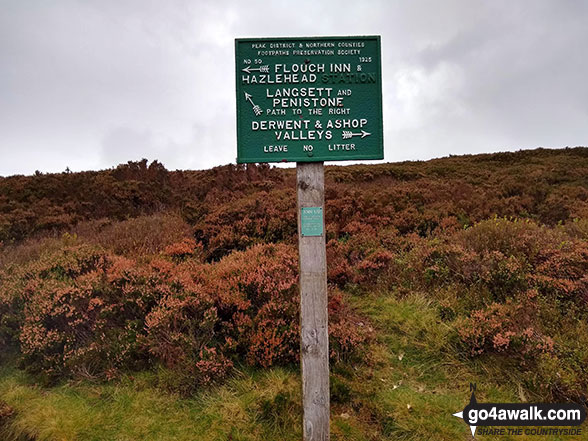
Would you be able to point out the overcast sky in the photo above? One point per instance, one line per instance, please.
(91, 84)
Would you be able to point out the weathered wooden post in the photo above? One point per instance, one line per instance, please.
(314, 344)
(310, 100)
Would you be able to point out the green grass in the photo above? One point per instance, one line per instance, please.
(411, 383)
(136, 410)
(418, 379)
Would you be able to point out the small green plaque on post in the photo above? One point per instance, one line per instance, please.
(311, 221)
(309, 99)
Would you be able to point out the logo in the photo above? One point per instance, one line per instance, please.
(522, 414)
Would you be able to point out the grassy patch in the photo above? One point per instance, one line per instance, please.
(417, 380)
(135, 410)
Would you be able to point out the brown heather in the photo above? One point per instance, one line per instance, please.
(138, 267)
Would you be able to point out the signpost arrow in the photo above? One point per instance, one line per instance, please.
(348, 134)
(249, 69)
(256, 109)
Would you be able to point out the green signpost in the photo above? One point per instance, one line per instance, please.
(309, 99)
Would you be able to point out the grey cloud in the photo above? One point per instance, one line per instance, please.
(89, 84)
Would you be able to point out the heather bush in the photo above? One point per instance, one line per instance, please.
(187, 248)
(243, 308)
(511, 288)
(11, 311)
(362, 255)
(181, 330)
(83, 313)
(502, 258)
(562, 274)
(14, 255)
(140, 236)
(510, 327)
(263, 217)
(562, 374)
(258, 303)
(256, 296)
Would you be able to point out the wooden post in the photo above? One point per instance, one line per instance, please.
(314, 344)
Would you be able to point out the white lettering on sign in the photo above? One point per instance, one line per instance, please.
(348, 52)
(313, 52)
(304, 97)
(320, 44)
(282, 45)
(341, 67)
(302, 91)
(303, 67)
(351, 44)
(278, 78)
(275, 149)
(307, 102)
(274, 112)
(338, 147)
(339, 111)
(304, 136)
(277, 53)
(280, 125)
(346, 123)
